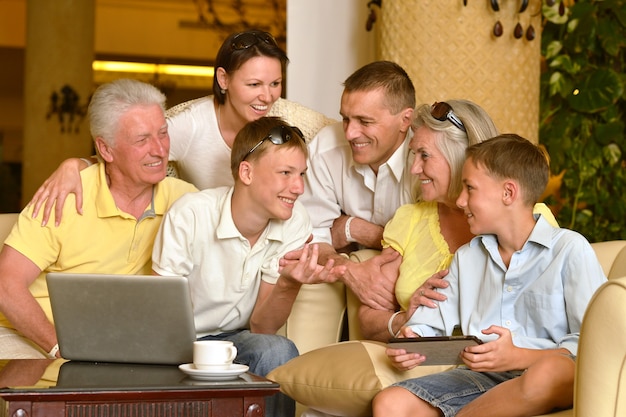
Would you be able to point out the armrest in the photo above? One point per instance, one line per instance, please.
(612, 257)
(316, 318)
(600, 386)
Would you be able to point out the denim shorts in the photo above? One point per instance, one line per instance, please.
(452, 390)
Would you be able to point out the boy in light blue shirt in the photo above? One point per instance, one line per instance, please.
(521, 285)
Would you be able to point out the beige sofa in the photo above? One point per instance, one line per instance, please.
(360, 370)
(341, 379)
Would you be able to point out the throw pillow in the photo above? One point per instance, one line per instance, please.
(343, 378)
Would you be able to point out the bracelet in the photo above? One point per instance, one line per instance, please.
(53, 352)
(390, 323)
(349, 237)
(87, 161)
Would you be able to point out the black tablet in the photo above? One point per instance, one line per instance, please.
(439, 350)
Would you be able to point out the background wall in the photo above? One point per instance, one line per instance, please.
(450, 51)
(326, 42)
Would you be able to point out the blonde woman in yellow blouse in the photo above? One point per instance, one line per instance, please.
(427, 233)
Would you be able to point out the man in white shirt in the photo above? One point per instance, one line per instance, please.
(359, 174)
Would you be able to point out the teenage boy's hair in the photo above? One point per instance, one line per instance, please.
(391, 77)
(255, 137)
(511, 156)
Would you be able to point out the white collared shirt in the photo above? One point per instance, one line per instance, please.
(198, 239)
(335, 184)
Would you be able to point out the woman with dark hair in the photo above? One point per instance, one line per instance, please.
(247, 85)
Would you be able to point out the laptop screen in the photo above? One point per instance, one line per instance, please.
(122, 318)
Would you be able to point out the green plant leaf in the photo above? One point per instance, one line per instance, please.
(552, 14)
(611, 42)
(613, 154)
(600, 90)
(585, 133)
(619, 8)
(560, 85)
(606, 133)
(553, 49)
(565, 63)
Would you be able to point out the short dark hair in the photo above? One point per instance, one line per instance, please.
(231, 58)
(391, 77)
(511, 156)
(254, 132)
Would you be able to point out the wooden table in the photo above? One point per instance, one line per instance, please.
(118, 390)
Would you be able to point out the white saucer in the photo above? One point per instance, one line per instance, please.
(232, 372)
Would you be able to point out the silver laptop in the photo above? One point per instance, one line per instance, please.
(122, 318)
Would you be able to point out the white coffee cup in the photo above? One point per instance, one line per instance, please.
(213, 354)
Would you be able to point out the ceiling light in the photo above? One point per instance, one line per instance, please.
(147, 68)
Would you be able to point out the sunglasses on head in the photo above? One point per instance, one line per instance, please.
(279, 135)
(442, 111)
(246, 40)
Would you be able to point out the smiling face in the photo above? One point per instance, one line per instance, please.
(373, 131)
(138, 155)
(480, 198)
(430, 166)
(276, 181)
(253, 88)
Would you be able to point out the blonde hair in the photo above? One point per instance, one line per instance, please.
(452, 141)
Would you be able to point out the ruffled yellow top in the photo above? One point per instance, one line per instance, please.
(414, 232)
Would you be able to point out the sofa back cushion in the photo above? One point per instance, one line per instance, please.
(612, 257)
(600, 386)
(7, 220)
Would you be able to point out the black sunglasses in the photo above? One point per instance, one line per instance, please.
(442, 111)
(245, 40)
(279, 135)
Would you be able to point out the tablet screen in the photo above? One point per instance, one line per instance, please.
(439, 350)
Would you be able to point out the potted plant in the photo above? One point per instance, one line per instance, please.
(582, 110)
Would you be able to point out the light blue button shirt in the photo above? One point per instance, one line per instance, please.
(541, 297)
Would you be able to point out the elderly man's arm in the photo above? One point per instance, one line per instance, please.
(17, 273)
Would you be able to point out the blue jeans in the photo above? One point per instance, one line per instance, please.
(262, 353)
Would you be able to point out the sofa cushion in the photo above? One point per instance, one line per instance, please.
(612, 257)
(343, 378)
(7, 220)
(325, 302)
(600, 386)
